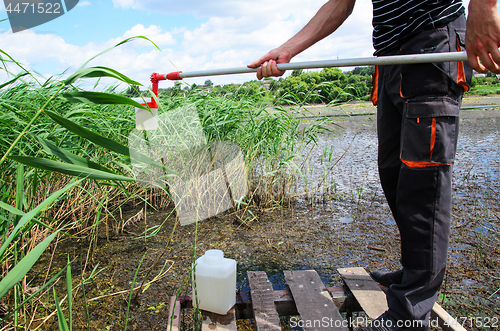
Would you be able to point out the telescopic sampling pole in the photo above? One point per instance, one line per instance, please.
(357, 62)
(366, 61)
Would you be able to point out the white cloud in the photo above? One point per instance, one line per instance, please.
(31, 48)
(84, 3)
(153, 32)
(222, 8)
(39, 51)
(237, 40)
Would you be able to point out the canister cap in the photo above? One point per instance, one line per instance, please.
(213, 256)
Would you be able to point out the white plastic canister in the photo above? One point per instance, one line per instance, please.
(214, 282)
(145, 119)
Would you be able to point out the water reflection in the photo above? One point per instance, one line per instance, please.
(346, 163)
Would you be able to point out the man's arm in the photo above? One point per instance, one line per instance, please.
(482, 37)
(326, 21)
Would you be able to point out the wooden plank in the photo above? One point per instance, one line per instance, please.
(261, 290)
(369, 295)
(283, 302)
(313, 301)
(213, 321)
(174, 312)
(445, 320)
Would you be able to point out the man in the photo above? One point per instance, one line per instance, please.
(417, 118)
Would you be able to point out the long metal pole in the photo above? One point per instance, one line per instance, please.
(357, 62)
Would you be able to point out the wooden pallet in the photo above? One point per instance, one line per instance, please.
(319, 307)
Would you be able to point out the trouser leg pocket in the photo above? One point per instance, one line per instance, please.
(430, 131)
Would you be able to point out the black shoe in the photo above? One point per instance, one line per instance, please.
(387, 279)
(386, 322)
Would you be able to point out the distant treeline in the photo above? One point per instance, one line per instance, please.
(325, 86)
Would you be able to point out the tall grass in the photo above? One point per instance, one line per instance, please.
(52, 131)
(39, 129)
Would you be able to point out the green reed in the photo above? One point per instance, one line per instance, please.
(53, 132)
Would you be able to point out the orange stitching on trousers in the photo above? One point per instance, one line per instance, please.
(421, 164)
(433, 136)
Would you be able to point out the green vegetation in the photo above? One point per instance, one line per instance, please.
(42, 124)
(326, 86)
(489, 84)
(485, 89)
(66, 169)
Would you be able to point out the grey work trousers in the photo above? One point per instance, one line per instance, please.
(417, 118)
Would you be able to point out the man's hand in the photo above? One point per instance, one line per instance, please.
(482, 37)
(269, 63)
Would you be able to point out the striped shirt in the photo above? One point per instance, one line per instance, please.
(396, 20)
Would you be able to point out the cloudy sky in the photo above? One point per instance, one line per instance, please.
(192, 35)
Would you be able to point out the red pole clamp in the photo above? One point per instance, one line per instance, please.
(155, 78)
